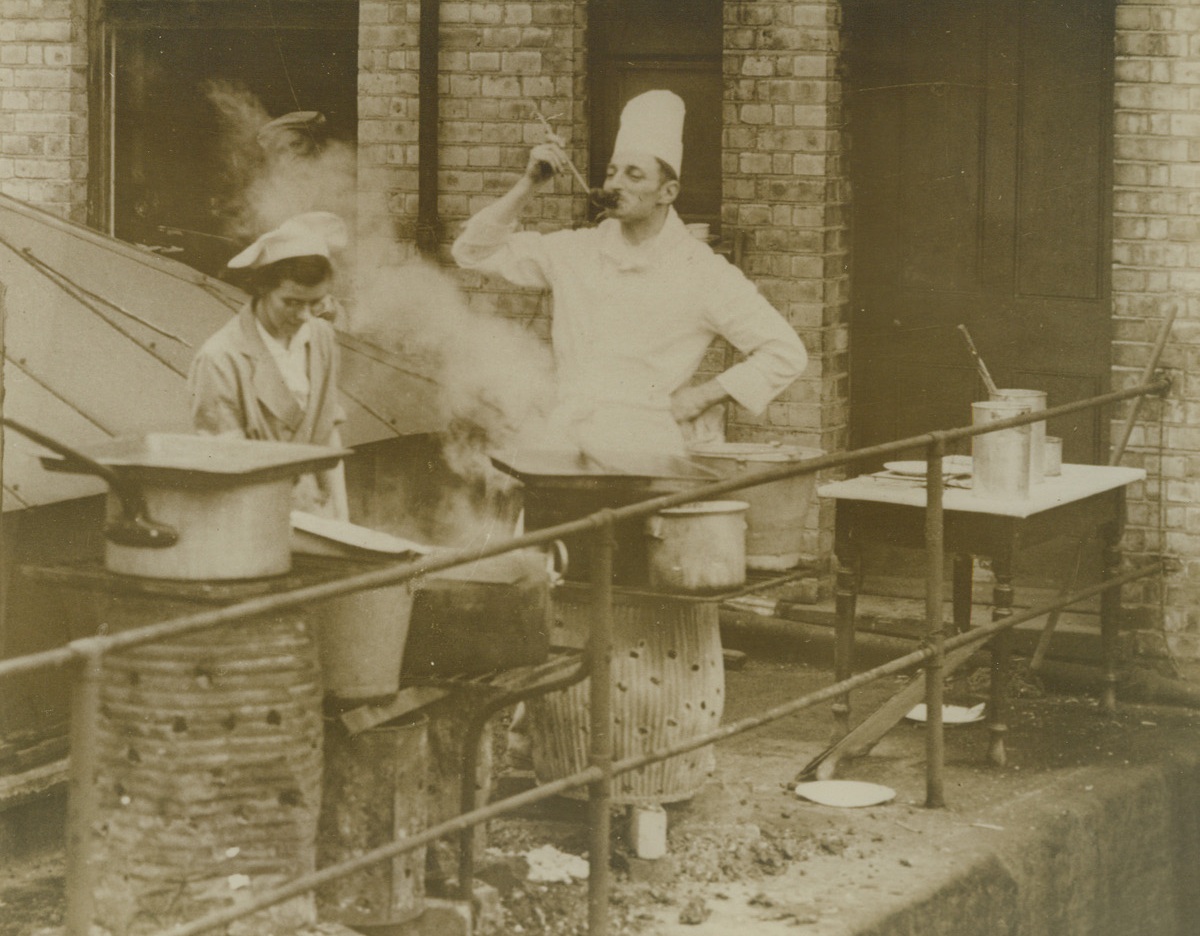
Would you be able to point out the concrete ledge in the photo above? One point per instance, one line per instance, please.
(1107, 853)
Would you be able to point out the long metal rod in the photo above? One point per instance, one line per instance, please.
(1160, 343)
(600, 650)
(403, 572)
(935, 739)
(983, 370)
(591, 774)
(428, 222)
(83, 799)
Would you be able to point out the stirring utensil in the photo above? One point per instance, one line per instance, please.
(578, 175)
(983, 371)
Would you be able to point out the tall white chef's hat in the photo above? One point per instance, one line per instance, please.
(313, 234)
(652, 123)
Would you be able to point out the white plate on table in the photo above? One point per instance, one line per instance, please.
(953, 466)
(848, 794)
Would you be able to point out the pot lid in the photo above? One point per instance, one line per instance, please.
(325, 536)
(179, 460)
(527, 464)
(754, 451)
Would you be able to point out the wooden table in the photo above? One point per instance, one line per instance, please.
(1085, 501)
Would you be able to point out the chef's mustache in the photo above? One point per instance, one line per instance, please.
(604, 198)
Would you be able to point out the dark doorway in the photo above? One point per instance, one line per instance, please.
(169, 170)
(979, 155)
(638, 45)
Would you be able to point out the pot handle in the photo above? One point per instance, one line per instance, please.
(560, 561)
(134, 528)
(654, 527)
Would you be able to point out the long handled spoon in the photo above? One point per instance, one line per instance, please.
(983, 371)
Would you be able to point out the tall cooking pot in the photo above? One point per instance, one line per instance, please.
(226, 502)
(775, 520)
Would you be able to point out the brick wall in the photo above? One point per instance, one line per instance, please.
(495, 59)
(784, 187)
(43, 104)
(388, 61)
(1156, 268)
(499, 60)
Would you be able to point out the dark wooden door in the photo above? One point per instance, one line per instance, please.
(638, 45)
(979, 158)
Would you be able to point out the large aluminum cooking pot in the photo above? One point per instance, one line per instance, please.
(227, 501)
(562, 485)
(775, 521)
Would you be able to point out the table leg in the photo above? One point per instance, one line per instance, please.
(846, 596)
(1110, 608)
(1002, 607)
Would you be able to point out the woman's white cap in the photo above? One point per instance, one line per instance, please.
(652, 123)
(313, 234)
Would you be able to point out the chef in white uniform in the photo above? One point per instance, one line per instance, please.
(636, 300)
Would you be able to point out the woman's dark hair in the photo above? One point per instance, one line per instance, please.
(307, 271)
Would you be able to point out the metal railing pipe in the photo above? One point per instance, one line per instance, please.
(83, 799)
(600, 651)
(402, 572)
(935, 739)
(592, 774)
(900, 664)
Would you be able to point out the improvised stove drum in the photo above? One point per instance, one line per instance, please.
(668, 677)
(209, 771)
(210, 742)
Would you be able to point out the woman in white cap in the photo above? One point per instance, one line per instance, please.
(271, 372)
(637, 299)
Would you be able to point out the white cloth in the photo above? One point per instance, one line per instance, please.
(652, 123)
(291, 359)
(312, 234)
(631, 324)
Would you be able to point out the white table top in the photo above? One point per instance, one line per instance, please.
(1075, 483)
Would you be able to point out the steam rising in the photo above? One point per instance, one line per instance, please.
(496, 377)
(267, 189)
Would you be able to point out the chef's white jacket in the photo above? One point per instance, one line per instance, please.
(632, 323)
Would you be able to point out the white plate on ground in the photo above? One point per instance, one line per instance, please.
(848, 794)
(951, 714)
(953, 466)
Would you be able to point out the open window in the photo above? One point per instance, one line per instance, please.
(165, 165)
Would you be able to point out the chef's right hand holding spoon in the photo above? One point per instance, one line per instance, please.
(546, 160)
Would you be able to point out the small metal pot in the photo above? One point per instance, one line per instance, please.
(698, 548)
